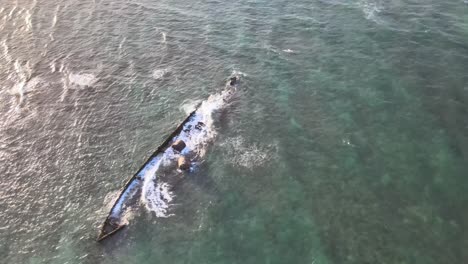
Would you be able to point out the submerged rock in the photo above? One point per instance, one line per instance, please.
(233, 81)
(178, 145)
(183, 163)
(199, 125)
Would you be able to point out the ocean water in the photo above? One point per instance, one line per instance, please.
(347, 144)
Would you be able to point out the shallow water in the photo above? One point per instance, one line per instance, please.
(348, 144)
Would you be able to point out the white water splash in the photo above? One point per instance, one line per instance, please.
(163, 37)
(288, 51)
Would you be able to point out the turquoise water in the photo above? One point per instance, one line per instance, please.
(348, 142)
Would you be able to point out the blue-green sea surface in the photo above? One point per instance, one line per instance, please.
(348, 142)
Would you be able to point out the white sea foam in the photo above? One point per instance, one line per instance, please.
(24, 85)
(54, 19)
(62, 67)
(109, 200)
(189, 107)
(163, 37)
(155, 196)
(83, 79)
(371, 10)
(52, 66)
(159, 73)
(121, 44)
(288, 51)
(238, 73)
(27, 20)
(245, 155)
(19, 90)
(196, 139)
(346, 142)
